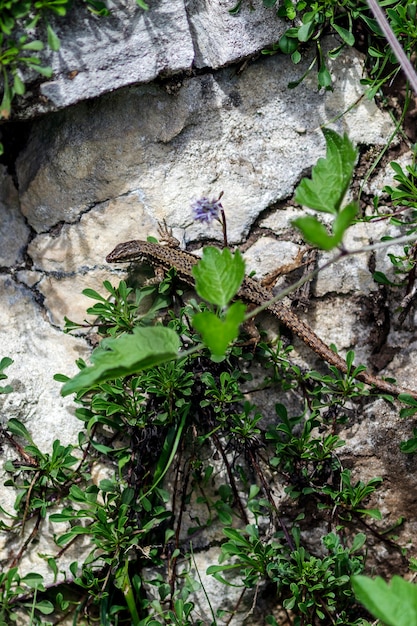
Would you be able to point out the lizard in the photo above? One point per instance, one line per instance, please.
(164, 257)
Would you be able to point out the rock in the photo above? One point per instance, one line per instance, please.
(221, 38)
(39, 352)
(101, 54)
(219, 132)
(14, 233)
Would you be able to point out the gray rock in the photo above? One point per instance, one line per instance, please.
(133, 46)
(240, 134)
(221, 38)
(13, 231)
(99, 55)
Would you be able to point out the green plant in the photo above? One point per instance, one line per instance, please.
(312, 587)
(164, 411)
(391, 38)
(12, 587)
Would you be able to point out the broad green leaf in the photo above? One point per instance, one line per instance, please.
(216, 333)
(330, 177)
(395, 604)
(125, 355)
(218, 275)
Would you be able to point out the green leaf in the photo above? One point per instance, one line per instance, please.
(288, 45)
(344, 219)
(45, 71)
(394, 604)
(33, 45)
(125, 355)
(405, 397)
(45, 607)
(235, 10)
(53, 40)
(379, 277)
(218, 275)
(409, 446)
(346, 35)
(314, 232)
(305, 31)
(17, 428)
(33, 580)
(330, 177)
(5, 362)
(324, 77)
(18, 85)
(217, 333)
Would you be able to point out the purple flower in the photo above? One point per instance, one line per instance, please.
(205, 210)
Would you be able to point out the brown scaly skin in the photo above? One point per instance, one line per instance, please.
(163, 258)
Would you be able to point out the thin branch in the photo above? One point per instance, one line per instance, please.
(396, 47)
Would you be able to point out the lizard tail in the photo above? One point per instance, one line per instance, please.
(308, 336)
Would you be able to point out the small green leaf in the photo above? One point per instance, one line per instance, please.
(45, 607)
(409, 446)
(324, 77)
(236, 9)
(218, 275)
(18, 85)
(216, 333)
(314, 232)
(288, 45)
(53, 40)
(126, 355)
(305, 31)
(36, 45)
(17, 428)
(346, 35)
(45, 71)
(33, 580)
(406, 397)
(330, 177)
(381, 278)
(344, 219)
